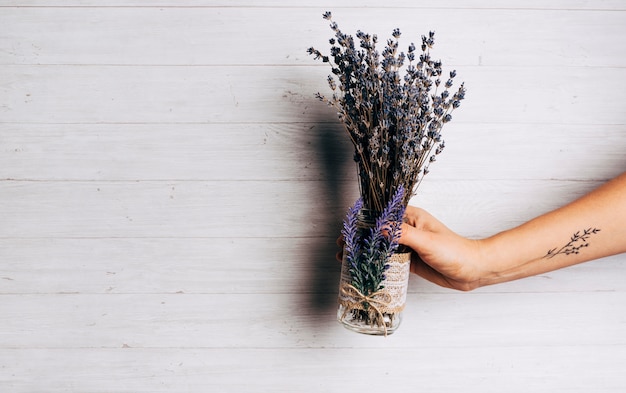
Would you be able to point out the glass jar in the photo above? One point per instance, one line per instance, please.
(378, 313)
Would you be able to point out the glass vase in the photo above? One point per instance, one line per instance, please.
(379, 313)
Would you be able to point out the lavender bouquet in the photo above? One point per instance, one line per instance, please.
(393, 105)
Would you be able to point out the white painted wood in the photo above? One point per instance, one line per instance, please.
(289, 321)
(184, 36)
(288, 151)
(251, 209)
(206, 266)
(170, 192)
(484, 369)
(223, 94)
(613, 5)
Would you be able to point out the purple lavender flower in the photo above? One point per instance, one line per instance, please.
(390, 221)
(394, 105)
(367, 254)
(384, 110)
(350, 233)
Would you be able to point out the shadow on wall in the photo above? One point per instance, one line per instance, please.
(333, 153)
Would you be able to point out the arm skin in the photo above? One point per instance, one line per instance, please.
(546, 243)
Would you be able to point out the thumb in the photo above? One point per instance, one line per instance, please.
(414, 238)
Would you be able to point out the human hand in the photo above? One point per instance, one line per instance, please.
(340, 242)
(440, 255)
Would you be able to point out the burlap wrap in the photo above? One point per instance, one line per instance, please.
(391, 299)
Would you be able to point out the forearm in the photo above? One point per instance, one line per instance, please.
(591, 227)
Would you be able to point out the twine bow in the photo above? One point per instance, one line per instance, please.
(375, 300)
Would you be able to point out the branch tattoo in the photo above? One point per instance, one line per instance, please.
(577, 241)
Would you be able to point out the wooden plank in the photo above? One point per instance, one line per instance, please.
(205, 266)
(291, 321)
(254, 208)
(160, 209)
(110, 94)
(305, 267)
(462, 4)
(248, 35)
(579, 369)
(168, 266)
(300, 151)
(513, 369)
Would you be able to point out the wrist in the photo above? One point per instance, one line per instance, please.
(483, 261)
(503, 260)
(477, 264)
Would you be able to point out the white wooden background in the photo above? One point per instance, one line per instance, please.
(170, 193)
